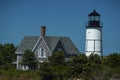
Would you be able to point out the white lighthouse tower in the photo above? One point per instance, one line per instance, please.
(93, 35)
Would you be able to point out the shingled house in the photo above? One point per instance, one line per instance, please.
(43, 46)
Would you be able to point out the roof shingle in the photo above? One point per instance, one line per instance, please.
(51, 41)
(28, 42)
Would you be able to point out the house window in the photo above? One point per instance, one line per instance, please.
(41, 53)
(59, 49)
(25, 67)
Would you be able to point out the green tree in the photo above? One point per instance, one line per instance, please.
(81, 59)
(1, 59)
(57, 61)
(93, 68)
(76, 66)
(2, 62)
(46, 71)
(113, 60)
(57, 58)
(94, 58)
(7, 55)
(55, 68)
(29, 60)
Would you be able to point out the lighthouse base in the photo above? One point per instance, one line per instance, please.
(89, 53)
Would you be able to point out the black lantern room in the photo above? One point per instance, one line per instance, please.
(94, 19)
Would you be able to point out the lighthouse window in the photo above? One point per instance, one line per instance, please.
(94, 18)
(97, 18)
(91, 18)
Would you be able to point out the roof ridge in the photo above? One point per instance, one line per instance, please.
(31, 36)
(57, 36)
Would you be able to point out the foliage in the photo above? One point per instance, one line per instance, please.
(75, 65)
(7, 55)
(94, 58)
(29, 60)
(113, 60)
(82, 67)
(46, 72)
(55, 69)
(18, 75)
(57, 58)
(58, 68)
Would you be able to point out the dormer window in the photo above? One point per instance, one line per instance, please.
(41, 53)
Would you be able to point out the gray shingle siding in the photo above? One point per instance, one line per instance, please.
(43, 46)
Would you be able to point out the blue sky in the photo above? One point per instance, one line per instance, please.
(19, 18)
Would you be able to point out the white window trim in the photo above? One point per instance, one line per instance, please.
(40, 52)
(25, 68)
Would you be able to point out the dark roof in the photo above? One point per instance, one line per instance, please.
(30, 41)
(94, 13)
(69, 46)
(51, 41)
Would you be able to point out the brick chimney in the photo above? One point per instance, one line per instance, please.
(43, 29)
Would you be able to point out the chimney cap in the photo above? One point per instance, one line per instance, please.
(43, 30)
(43, 26)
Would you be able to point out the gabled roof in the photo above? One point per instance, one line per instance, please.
(29, 42)
(69, 46)
(51, 41)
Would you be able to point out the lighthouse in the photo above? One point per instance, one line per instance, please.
(93, 35)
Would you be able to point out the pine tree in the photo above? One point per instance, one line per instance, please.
(29, 60)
